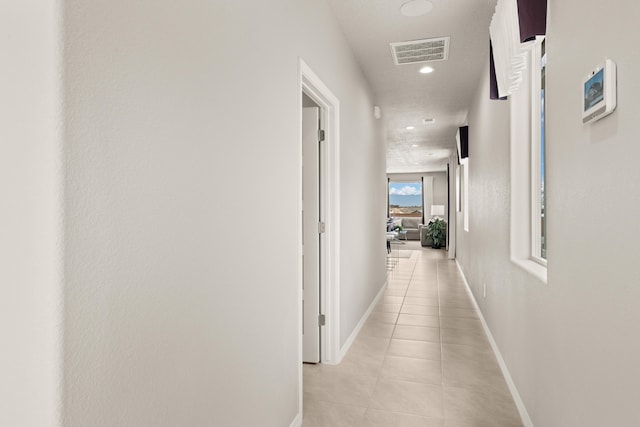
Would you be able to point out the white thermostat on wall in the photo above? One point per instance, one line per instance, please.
(599, 92)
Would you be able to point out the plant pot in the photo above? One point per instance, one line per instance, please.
(436, 246)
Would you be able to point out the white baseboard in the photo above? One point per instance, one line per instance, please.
(524, 415)
(347, 345)
(297, 421)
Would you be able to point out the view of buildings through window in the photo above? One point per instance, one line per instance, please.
(405, 199)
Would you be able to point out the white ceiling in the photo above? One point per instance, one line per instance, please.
(405, 96)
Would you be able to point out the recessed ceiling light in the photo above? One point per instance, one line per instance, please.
(410, 127)
(416, 7)
(426, 70)
(415, 145)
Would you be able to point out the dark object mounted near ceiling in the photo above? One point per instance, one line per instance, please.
(493, 83)
(532, 22)
(532, 17)
(462, 138)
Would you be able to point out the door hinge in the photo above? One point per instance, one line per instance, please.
(320, 135)
(321, 320)
(321, 227)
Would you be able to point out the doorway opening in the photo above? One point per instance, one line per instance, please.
(314, 94)
(313, 226)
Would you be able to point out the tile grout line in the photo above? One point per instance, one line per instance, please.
(368, 407)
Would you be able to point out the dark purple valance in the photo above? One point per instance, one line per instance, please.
(493, 83)
(464, 142)
(532, 15)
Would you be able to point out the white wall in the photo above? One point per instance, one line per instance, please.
(29, 217)
(181, 293)
(571, 345)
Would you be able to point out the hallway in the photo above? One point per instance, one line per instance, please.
(422, 359)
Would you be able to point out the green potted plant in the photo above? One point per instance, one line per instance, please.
(436, 230)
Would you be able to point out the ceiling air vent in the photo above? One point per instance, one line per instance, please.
(416, 51)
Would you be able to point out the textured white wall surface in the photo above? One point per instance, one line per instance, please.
(30, 244)
(181, 203)
(571, 345)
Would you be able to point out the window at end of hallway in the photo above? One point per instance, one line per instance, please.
(405, 199)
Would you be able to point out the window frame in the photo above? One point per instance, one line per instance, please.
(524, 134)
(465, 193)
(537, 135)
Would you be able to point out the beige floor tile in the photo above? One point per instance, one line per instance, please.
(452, 289)
(418, 320)
(458, 312)
(336, 387)
(421, 293)
(470, 422)
(458, 374)
(480, 406)
(431, 302)
(448, 292)
(466, 353)
(426, 271)
(370, 345)
(425, 310)
(472, 337)
(472, 324)
(394, 292)
(325, 414)
(398, 286)
(466, 371)
(376, 418)
(365, 357)
(418, 333)
(362, 364)
(387, 308)
(383, 317)
(400, 276)
(391, 300)
(408, 398)
(394, 375)
(456, 302)
(377, 329)
(410, 369)
(417, 349)
(419, 283)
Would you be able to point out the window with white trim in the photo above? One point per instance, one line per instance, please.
(528, 166)
(465, 192)
(538, 219)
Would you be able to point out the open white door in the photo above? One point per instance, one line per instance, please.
(310, 234)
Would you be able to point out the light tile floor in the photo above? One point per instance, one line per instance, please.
(421, 360)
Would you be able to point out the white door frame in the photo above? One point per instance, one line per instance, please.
(454, 188)
(329, 104)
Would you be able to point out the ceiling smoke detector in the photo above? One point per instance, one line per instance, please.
(417, 51)
(416, 8)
